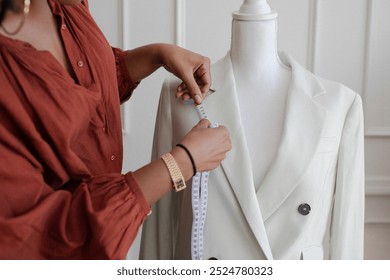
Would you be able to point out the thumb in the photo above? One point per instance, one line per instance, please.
(204, 123)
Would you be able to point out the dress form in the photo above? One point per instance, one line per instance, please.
(262, 82)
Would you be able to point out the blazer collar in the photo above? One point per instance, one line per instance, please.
(222, 107)
(303, 126)
(302, 132)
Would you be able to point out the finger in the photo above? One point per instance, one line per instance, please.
(182, 88)
(197, 98)
(203, 123)
(203, 78)
(193, 88)
(185, 96)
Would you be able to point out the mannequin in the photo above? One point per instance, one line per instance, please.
(262, 81)
(295, 174)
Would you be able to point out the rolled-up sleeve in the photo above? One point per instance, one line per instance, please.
(126, 84)
(98, 220)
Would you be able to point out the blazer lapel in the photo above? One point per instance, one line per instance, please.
(222, 107)
(302, 131)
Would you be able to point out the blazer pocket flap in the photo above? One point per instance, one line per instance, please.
(312, 253)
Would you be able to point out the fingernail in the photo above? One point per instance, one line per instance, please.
(198, 99)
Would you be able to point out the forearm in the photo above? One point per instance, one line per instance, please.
(143, 61)
(154, 178)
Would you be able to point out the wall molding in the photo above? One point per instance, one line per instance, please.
(124, 27)
(371, 131)
(180, 23)
(367, 50)
(377, 221)
(377, 132)
(313, 35)
(378, 186)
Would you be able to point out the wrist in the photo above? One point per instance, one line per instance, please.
(183, 162)
(190, 157)
(144, 60)
(164, 53)
(159, 51)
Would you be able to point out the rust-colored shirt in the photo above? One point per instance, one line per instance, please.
(62, 194)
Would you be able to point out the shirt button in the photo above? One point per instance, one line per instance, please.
(112, 157)
(63, 26)
(80, 63)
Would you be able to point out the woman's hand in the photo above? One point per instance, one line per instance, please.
(208, 146)
(193, 69)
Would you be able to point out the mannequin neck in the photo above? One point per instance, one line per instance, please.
(254, 46)
(262, 83)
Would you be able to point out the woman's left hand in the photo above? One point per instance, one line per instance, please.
(192, 68)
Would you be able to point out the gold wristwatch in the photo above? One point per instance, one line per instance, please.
(174, 170)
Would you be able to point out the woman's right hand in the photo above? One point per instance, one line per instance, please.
(208, 146)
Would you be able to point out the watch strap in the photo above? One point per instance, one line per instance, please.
(174, 171)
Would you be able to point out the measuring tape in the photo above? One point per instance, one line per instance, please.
(199, 203)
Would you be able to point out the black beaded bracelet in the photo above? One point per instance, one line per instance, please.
(189, 155)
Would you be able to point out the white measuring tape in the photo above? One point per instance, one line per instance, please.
(199, 203)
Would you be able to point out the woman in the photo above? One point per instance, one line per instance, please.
(62, 195)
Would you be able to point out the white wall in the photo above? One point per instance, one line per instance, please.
(343, 40)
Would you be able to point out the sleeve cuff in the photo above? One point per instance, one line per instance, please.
(135, 188)
(126, 84)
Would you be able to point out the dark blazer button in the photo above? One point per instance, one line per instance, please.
(213, 259)
(304, 209)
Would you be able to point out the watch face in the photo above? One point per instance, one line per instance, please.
(179, 185)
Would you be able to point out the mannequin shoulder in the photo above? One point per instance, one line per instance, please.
(170, 85)
(182, 113)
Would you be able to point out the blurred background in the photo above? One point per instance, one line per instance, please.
(343, 40)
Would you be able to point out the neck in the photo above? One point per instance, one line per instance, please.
(254, 45)
(15, 19)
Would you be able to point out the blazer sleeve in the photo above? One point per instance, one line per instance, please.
(157, 241)
(347, 223)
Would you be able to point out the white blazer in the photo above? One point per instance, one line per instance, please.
(310, 204)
